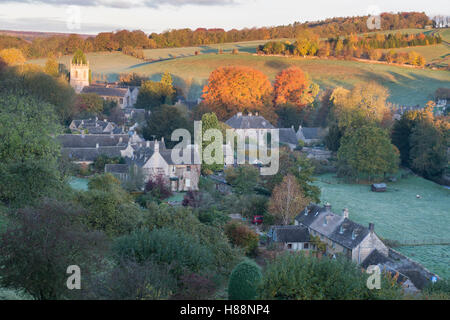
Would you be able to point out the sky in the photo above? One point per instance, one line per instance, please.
(91, 17)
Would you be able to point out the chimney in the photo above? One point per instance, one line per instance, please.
(148, 144)
(82, 134)
(96, 146)
(345, 213)
(256, 113)
(249, 114)
(120, 140)
(156, 146)
(371, 227)
(328, 207)
(239, 114)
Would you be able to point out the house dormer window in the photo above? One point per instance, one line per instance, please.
(354, 235)
(341, 230)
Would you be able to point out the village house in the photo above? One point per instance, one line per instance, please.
(156, 160)
(111, 93)
(242, 125)
(340, 234)
(84, 149)
(290, 237)
(311, 135)
(95, 126)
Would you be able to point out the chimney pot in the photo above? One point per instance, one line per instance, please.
(371, 227)
(345, 213)
(328, 206)
(96, 145)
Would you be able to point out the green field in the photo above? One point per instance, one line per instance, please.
(398, 214)
(408, 86)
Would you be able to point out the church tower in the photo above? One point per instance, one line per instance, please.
(79, 71)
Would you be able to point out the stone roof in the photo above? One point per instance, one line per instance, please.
(105, 91)
(311, 133)
(341, 230)
(91, 154)
(239, 121)
(117, 168)
(91, 140)
(290, 234)
(288, 135)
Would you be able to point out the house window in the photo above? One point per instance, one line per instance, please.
(306, 246)
(289, 245)
(188, 183)
(121, 100)
(188, 168)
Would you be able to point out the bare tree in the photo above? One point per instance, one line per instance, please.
(287, 200)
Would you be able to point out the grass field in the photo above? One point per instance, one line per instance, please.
(408, 86)
(398, 214)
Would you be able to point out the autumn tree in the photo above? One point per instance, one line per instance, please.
(287, 200)
(294, 86)
(52, 67)
(88, 104)
(237, 89)
(12, 56)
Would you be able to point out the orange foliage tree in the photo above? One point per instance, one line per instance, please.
(238, 89)
(292, 86)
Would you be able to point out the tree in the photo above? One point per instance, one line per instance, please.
(210, 121)
(40, 243)
(242, 236)
(243, 178)
(52, 67)
(244, 281)
(287, 200)
(162, 122)
(28, 153)
(428, 154)
(298, 277)
(367, 152)
(109, 207)
(293, 86)
(238, 89)
(158, 188)
(365, 103)
(79, 57)
(12, 56)
(88, 104)
(401, 133)
(153, 94)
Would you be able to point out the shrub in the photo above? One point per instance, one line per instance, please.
(165, 246)
(242, 236)
(244, 281)
(158, 188)
(195, 287)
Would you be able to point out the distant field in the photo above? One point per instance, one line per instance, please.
(170, 53)
(407, 86)
(398, 214)
(438, 55)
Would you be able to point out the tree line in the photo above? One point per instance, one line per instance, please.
(132, 41)
(366, 47)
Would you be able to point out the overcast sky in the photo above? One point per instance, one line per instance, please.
(86, 16)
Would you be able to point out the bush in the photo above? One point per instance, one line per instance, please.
(165, 246)
(158, 188)
(242, 236)
(244, 281)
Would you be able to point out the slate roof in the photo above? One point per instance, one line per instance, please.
(288, 135)
(249, 122)
(311, 133)
(341, 230)
(105, 91)
(374, 258)
(290, 234)
(350, 235)
(117, 168)
(91, 140)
